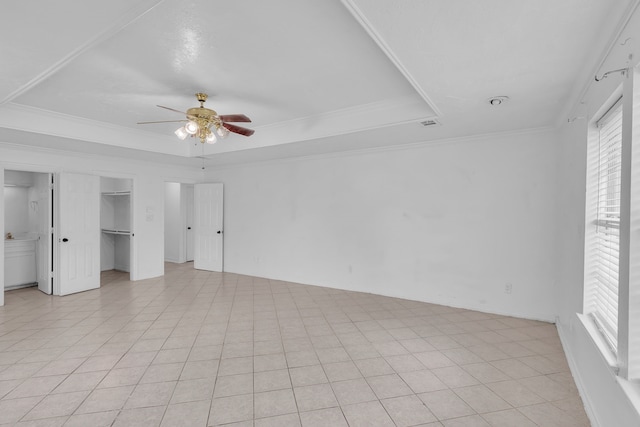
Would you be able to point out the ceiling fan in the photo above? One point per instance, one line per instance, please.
(205, 123)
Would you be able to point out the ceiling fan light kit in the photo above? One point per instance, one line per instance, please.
(205, 123)
(181, 133)
(191, 127)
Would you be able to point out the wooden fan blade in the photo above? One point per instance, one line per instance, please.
(161, 121)
(238, 129)
(234, 118)
(171, 109)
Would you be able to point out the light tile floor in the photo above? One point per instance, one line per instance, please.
(195, 348)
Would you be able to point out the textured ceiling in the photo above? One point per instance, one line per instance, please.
(326, 75)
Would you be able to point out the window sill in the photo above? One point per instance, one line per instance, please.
(600, 342)
(630, 388)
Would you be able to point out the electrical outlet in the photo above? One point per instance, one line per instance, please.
(507, 288)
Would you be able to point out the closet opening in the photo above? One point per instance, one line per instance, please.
(116, 229)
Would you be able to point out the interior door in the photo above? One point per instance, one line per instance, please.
(79, 233)
(188, 193)
(208, 227)
(44, 219)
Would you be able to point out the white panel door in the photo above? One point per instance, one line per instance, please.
(44, 219)
(188, 192)
(79, 234)
(208, 227)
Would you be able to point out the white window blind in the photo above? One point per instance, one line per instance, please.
(607, 235)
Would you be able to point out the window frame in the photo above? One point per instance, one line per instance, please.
(626, 353)
(601, 293)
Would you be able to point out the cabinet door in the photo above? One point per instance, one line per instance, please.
(208, 227)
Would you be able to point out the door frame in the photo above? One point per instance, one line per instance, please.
(183, 215)
(25, 167)
(50, 217)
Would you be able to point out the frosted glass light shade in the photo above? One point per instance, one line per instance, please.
(191, 127)
(181, 133)
(211, 138)
(222, 131)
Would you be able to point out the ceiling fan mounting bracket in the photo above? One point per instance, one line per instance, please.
(201, 97)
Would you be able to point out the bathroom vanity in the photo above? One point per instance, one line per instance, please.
(20, 262)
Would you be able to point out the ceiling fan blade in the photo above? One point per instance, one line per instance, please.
(161, 121)
(238, 129)
(171, 109)
(234, 118)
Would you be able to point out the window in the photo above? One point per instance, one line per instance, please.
(602, 286)
(612, 252)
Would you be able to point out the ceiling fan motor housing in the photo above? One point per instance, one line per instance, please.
(204, 117)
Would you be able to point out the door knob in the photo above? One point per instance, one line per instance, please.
(219, 232)
(188, 228)
(65, 240)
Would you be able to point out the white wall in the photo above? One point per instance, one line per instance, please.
(448, 223)
(21, 199)
(172, 222)
(16, 210)
(33, 208)
(18, 178)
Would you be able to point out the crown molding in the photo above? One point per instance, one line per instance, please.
(359, 15)
(465, 139)
(371, 116)
(40, 121)
(586, 80)
(129, 17)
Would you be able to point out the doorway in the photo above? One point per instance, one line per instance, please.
(116, 229)
(28, 230)
(178, 222)
(193, 215)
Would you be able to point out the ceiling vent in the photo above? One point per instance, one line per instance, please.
(429, 122)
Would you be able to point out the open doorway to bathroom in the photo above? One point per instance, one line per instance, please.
(28, 230)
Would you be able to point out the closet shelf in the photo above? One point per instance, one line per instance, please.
(116, 193)
(118, 232)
